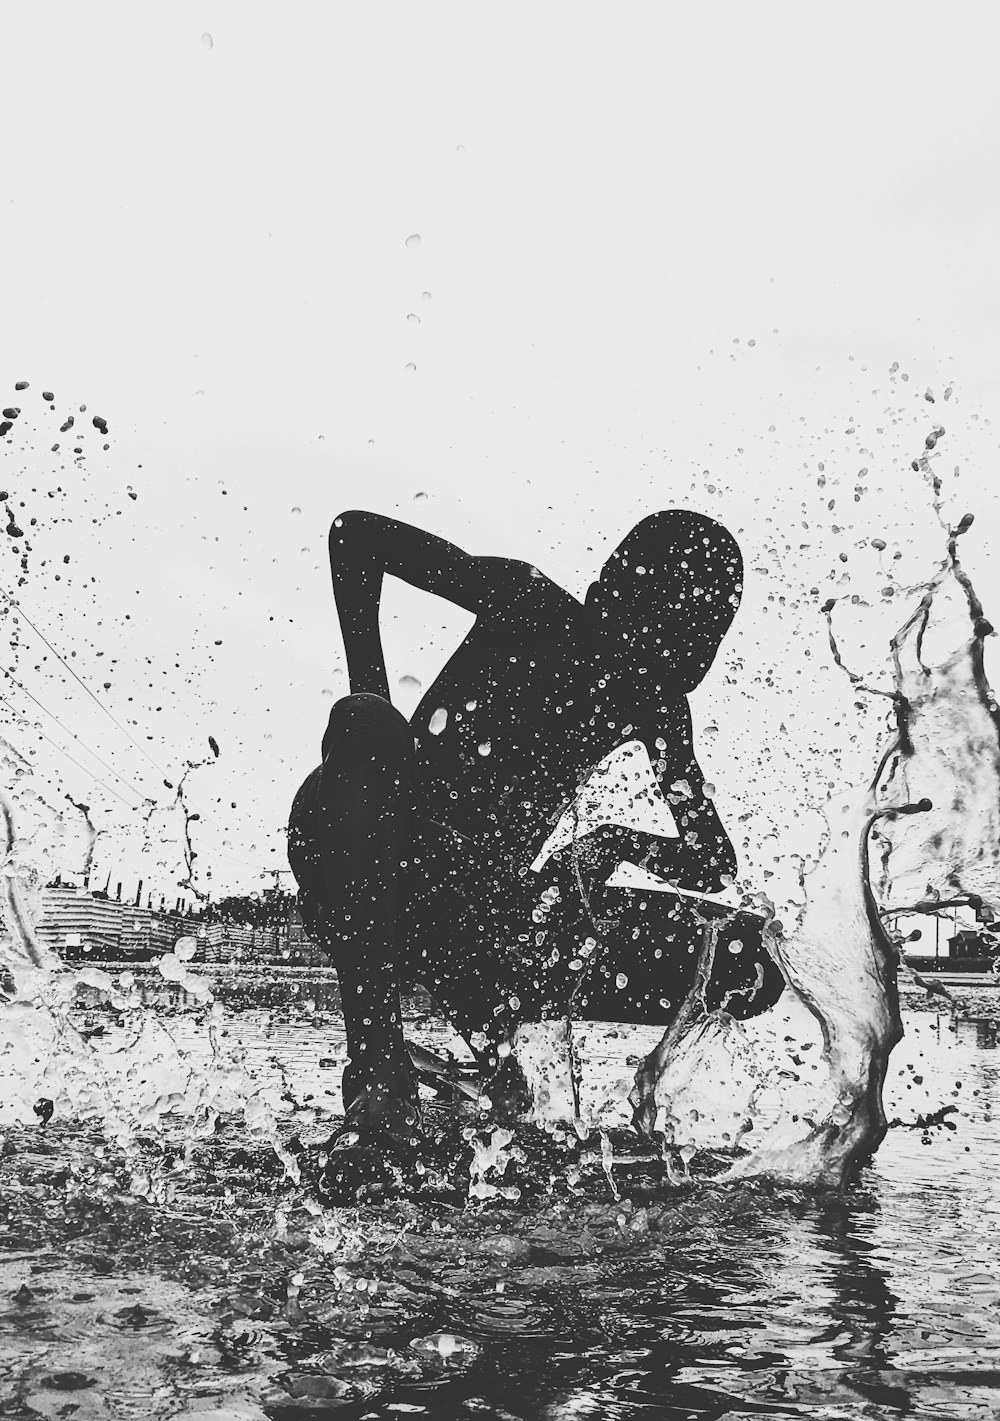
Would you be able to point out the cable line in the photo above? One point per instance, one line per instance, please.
(204, 818)
(90, 774)
(72, 736)
(96, 699)
(25, 721)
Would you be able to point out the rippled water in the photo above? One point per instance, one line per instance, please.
(229, 1292)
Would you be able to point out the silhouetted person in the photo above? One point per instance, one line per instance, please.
(469, 849)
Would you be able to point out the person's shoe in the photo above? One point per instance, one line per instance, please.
(366, 1167)
(374, 1154)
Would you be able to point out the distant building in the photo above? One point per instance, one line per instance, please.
(952, 939)
(80, 926)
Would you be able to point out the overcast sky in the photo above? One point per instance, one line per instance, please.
(711, 256)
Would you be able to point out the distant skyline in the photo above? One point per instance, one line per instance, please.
(716, 258)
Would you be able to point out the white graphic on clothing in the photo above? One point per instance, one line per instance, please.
(621, 792)
(630, 875)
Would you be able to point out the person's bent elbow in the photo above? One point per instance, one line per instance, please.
(348, 532)
(353, 520)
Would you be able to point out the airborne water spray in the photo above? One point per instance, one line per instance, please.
(922, 834)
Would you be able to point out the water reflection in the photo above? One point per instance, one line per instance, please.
(861, 1303)
(986, 1035)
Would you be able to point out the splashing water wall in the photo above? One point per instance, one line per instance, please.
(153, 1086)
(922, 832)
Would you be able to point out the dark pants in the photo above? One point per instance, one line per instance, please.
(394, 898)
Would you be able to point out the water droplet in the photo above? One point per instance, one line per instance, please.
(621, 981)
(409, 366)
(413, 240)
(471, 705)
(207, 40)
(438, 721)
(425, 295)
(409, 683)
(485, 748)
(418, 496)
(185, 948)
(296, 509)
(413, 319)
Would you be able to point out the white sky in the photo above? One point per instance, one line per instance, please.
(649, 233)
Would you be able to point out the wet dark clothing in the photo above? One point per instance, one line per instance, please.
(413, 843)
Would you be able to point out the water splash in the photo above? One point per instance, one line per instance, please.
(949, 751)
(26, 857)
(91, 840)
(492, 1152)
(148, 1083)
(167, 831)
(923, 833)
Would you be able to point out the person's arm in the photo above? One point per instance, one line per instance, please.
(366, 546)
(701, 860)
(700, 856)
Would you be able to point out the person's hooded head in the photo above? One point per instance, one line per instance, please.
(667, 595)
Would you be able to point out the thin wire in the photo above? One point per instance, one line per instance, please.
(96, 699)
(204, 818)
(25, 721)
(72, 736)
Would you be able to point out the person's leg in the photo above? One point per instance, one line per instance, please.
(461, 945)
(633, 956)
(347, 834)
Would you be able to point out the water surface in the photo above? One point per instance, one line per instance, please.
(227, 1291)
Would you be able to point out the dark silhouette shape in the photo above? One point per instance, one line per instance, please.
(469, 849)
